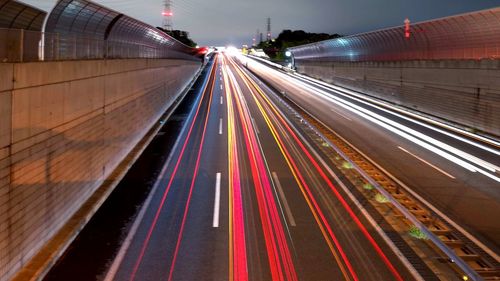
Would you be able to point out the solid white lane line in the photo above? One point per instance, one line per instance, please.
(382, 106)
(445, 147)
(426, 203)
(368, 216)
(215, 222)
(288, 211)
(431, 165)
(221, 100)
(220, 126)
(421, 199)
(405, 133)
(255, 126)
(340, 114)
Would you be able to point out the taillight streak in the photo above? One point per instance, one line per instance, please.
(332, 187)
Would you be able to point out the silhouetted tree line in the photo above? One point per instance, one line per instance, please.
(181, 36)
(275, 49)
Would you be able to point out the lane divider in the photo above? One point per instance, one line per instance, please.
(288, 210)
(215, 222)
(426, 162)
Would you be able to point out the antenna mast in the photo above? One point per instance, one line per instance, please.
(269, 37)
(167, 15)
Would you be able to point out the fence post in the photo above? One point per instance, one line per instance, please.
(75, 53)
(57, 46)
(21, 46)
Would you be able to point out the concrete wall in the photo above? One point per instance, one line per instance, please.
(463, 92)
(64, 127)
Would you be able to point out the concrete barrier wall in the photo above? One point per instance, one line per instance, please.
(463, 92)
(64, 127)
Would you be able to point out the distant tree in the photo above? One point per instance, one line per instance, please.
(181, 36)
(275, 49)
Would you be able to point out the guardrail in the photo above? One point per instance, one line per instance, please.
(17, 45)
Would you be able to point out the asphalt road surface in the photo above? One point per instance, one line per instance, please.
(455, 171)
(242, 197)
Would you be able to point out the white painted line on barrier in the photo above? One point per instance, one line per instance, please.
(215, 222)
(255, 126)
(424, 161)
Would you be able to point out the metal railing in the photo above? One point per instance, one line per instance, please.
(17, 45)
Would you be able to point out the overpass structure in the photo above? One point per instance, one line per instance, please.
(384, 173)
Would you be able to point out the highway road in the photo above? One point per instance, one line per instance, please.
(243, 197)
(455, 172)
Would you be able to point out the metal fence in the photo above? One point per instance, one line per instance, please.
(17, 45)
(124, 35)
(468, 36)
(15, 14)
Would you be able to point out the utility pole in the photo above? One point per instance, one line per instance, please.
(269, 29)
(167, 15)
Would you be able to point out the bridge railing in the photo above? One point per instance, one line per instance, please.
(473, 35)
(17, 45)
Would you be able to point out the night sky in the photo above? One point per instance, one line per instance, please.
(223, 22)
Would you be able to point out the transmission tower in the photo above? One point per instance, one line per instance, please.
(269, 29)
(167, 15)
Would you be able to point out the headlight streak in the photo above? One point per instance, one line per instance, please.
(279, 256)
(418, 138)
(169, 185)
(332, 187)
(433, 145)
(380, 106)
